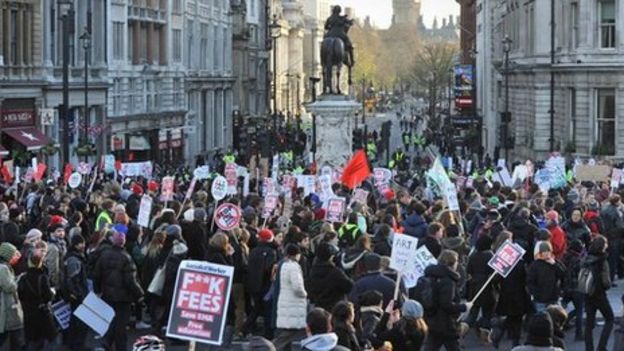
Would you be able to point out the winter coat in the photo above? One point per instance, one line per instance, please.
(432, 244)
(577, 231)
(194, 234)
(327, 295)
(346, 336)
(414, 225)
(10, 318)
(402, 336)
(262, 258)
(322, 342)
(151, 263)
(600, 268)
(478, 272)
(291, 305)
(613, 221)
(459, 245)
(572, 263)
(594, 222)
(352, 262)
(382, 246)
(370, 316)
(10, 232)
(558, 241)
(373, 281)
(36, 295)
(524, 235)
(442, 319)
(545, 280)
(115, 277)
(514, 298)
(54, 260)
(75, 284)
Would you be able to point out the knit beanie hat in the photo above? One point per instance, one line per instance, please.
(137, 190)
(75, 240)
(266, 235)
(412, 309)
(33, 235)
(121, 228)
(540, 330)
(199, 214)
(174, 230)
(118, 238)
(7, 251)
(552, 215)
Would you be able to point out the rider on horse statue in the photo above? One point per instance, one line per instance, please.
(337, 26)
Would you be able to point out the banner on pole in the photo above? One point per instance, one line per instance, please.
(506, 258)
(402, 258)
(200, 302)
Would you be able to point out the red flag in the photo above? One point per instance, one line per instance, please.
(67, 172)
(41, 168)
(6, 174)
(356, 171)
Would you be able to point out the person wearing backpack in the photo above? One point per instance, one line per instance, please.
(594, 284)
(572, 262)
(442, 319)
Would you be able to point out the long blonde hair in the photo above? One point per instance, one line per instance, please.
(156, 244)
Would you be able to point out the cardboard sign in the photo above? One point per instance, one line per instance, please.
(270, 204)
(74, 180)
(62, 313)
(200, 302)
(586, 173)
(335, 209)
(202, 172)
(231, 175)
(360, 196)
(422, 260)
(145, 210)
(136, 169)
(219, 188)
(166, 191)
(307, 182)
(227, 216)
(402, 258)
(95, 313)
(506, 258)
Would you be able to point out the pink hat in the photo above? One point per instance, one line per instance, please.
(552, 215)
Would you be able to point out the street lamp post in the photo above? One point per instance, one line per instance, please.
(85, 38)
(276, 32)
(506, 119)
(66, 9)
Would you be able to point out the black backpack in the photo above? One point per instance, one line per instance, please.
(424, 292)
(586, 281)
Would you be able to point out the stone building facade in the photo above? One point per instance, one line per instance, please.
(588, 61)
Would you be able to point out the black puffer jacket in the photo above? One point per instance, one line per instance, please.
(479, 271)
(262, 258)
(115, 276)
(600, 268)
(323, 294)
(523, 234)
(577, 231)
(442, 320)
(545, 281)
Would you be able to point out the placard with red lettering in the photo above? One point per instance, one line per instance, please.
(361, 196)
(270, 204)
(506, 258)
(228, 216)
(231, 177)
(335, 209)
(200, 302)
(167, 189)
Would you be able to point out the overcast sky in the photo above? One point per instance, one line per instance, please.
(380, 11)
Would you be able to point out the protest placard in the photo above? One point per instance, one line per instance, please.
(135, 169)
(145, 210)
(231, 175)
(587, 173)
(268, 186)
(402, 258)
(335, 209)
(227, 216)
(275, 167)
(95, 313)
(202, 172)
(506, 258)
(166, 191)
(219, 188)
(62, 313)
(270, 204)
(308, 183)
(616, 178)
(74, 180)
(109, 164)
(200, 302)
(191, 188)
(422, 259)
(360, 196)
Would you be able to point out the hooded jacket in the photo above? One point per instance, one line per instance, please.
(545, 281)
(415, 225)
(577, 231)
(600, 268)
(327, 295)
(442, 320)
(322, 342)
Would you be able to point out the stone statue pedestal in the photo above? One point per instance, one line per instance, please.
(334, 127)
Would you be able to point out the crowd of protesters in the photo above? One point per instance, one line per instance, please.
(299, 280)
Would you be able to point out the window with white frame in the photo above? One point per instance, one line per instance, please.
(604, 143)
(118, 32)
(606, 11)
(177, 45)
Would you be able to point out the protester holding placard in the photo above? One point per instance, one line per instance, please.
(75, 288)
(478, 272)
(220, 251)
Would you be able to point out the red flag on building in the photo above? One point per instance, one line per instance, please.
(356, 171)
(67, 172)
(6, 174)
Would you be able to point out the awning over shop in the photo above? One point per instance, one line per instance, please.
(30, 137)
(3, 151)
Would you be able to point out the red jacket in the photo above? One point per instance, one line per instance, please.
(558, 241)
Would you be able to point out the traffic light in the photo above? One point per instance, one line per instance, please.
(356, 139)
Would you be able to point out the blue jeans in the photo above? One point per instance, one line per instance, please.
(578, 300)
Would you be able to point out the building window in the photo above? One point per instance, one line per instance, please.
(131, 56)
(572, 120)
(189, 45)
(178, 93)
(215, 48)
(574, 21)
(118, 28)
(177, 45)
(150, 94)
(177, 6)
(203, 47)
(116, 96)
(225, 49)
(606, 10)
(252, 8)
(605, 122)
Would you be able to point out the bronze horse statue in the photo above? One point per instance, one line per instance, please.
(334, 54)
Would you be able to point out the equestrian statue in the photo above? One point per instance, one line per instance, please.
(336, 49)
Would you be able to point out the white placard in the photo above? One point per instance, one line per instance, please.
(202, 172)
(74, 180)
(145, 210)
(95, 313)
(402, 259)
(219, 188)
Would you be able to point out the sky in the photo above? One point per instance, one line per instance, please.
(380, 11)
